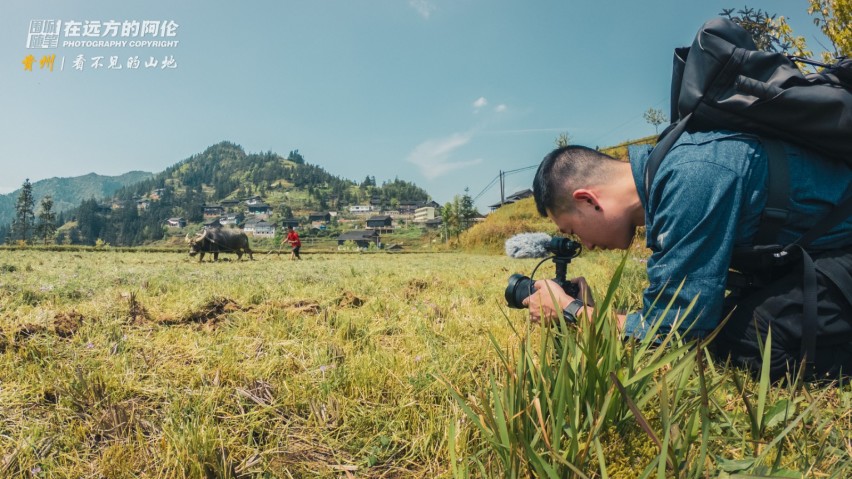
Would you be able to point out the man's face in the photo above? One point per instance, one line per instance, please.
(608, 228)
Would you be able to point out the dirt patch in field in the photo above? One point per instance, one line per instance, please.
(212, 311)
(301, 306)
(349, 300)
(29, 330)
(290, 308)
(415, 288)
(304, 456)
(209, 314)
(66, 324)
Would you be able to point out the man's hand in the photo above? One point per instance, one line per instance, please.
(550, 299)
(547, 301)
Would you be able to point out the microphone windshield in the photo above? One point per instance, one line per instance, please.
(528, 245)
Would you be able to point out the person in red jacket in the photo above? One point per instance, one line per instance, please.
(295, 243)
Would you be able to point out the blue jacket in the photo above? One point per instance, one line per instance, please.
(707, 199)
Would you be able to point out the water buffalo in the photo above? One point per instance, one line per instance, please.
(218, 240)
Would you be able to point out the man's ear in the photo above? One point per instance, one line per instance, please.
(586, 196)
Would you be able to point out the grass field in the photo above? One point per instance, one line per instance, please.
(120, 364)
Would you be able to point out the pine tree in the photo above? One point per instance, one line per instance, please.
(22, 225)
(46, 221)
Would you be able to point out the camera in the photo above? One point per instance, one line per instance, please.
(520, 287)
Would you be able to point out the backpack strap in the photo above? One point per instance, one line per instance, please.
(664, 143)
(809, 312)
(775, 212)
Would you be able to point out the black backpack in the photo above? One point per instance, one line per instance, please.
(723, 82)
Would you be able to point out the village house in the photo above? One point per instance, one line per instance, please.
(254, 200)
(262, 229)
(382, 223)
(360, 209)
(211, 211)
(512, 198)
(433, 223)
(290, 222)
(248, 226)
(232, 218)
(319, 219)
(260, 210)
(143, 204)
(176, 222)
(408, 207)
(362, 238)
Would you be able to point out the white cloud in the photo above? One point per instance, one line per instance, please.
(480, 102)
(432, 157)
(500, 108)
(423, 7)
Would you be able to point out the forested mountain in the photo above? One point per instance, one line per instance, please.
(136, 214)
(67, 193)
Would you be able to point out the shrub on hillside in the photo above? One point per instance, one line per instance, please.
(509, 220)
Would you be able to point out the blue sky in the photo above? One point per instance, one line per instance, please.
(444, 93)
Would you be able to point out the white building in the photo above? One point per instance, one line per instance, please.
(360, 209)
(424, 214)
(263, 229)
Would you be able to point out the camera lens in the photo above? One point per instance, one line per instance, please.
(518, 289)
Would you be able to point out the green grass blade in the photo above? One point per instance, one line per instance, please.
(763, 389)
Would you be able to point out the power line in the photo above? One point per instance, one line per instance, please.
(520, 169)
(497, 178)
(489, 185)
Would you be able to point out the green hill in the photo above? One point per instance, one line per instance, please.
(67, 193)
(291, 187)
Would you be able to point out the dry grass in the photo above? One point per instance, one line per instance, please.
(153, 365)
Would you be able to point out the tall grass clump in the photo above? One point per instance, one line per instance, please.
(580, 402)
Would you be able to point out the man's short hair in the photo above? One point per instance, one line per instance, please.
(562, 171)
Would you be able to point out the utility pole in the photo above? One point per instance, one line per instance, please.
(502, 189)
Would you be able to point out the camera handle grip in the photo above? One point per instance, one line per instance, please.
(572, 289)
